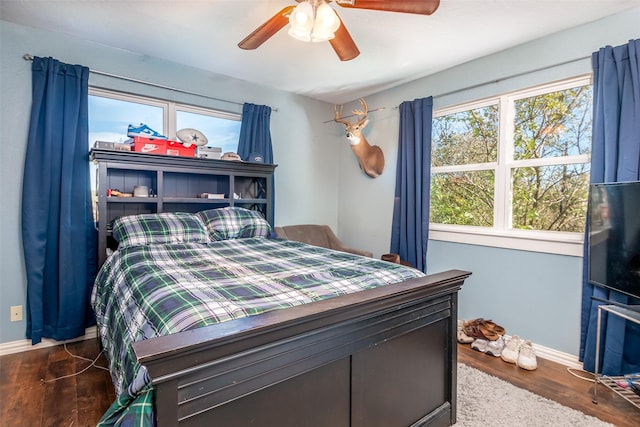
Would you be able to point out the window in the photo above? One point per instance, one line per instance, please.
(220, 131)
(513, 171)
(109, 117)
(110, 114)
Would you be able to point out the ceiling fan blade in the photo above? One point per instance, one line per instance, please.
(421, 7)
(265, 31)
(343, 44)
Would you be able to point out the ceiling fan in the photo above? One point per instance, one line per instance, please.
(338, 37)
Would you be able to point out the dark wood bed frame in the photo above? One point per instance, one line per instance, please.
(382, 357)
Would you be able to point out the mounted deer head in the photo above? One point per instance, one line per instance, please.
(370, 158)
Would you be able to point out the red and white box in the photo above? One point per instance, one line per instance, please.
(176, 148)
(149, 146)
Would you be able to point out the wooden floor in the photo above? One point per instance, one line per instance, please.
(81, 400)
(76, 401)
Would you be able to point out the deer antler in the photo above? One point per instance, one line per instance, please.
(364, 112)
(364, 106)
(338, 115)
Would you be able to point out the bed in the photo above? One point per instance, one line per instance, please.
(206, 319)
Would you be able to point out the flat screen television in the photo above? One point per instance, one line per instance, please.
(614, 236)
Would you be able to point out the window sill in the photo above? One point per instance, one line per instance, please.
(570, 244)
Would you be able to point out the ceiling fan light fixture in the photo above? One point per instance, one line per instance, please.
(325, 24)
(301, 21)
(304, 36)
(313, 20)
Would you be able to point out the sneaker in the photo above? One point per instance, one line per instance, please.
(480, 345)
(462, 337)
(495, 347)
(511, 350)
(145, 131)
(527, 357)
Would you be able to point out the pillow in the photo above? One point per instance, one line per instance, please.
(158, 229)
(234, 223)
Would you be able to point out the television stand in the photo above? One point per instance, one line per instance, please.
(632, 314)
(629, 307)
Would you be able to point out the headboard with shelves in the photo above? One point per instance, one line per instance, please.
(175, 184)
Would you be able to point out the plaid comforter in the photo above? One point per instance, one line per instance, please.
(152, 290)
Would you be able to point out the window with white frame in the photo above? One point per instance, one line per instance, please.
(110, 114)
(513, 170)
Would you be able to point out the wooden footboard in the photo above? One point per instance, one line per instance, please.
(381, 357)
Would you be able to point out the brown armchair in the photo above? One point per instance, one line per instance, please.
(317, 235)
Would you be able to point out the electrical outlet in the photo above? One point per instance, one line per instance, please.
(16, 313)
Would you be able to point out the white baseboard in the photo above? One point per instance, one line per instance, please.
(566, 359)
(25, 345)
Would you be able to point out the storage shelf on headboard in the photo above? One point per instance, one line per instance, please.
(175, 185)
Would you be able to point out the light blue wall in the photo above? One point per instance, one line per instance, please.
(304, 147)
(532, 294)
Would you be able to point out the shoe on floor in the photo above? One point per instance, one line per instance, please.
(482, 329)
(462, 337)
(480, 345)
(511, 350)
(495, 347)
(144, 131)
(527, 357)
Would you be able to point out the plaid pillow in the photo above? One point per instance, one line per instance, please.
(160, 228)
(234, 223)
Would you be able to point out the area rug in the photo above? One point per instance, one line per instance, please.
(484, 400)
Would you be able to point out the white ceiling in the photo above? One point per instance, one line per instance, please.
(395, 47)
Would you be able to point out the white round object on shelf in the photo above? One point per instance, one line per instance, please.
(190, 136)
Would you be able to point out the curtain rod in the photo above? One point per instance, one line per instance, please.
(524, 73)
(29, 57)
(498, 80)
(495, 81)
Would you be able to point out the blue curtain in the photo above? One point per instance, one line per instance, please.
(410, 228)
(255, 137)
(255, 133)
(58, 233)
(615, 157)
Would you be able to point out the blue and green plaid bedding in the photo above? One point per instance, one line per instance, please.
(147, 291)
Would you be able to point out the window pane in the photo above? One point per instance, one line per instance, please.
(554, 124)
(463, 198)
(466, 137)
(110, 118)
(550, 197)
(220, 132)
